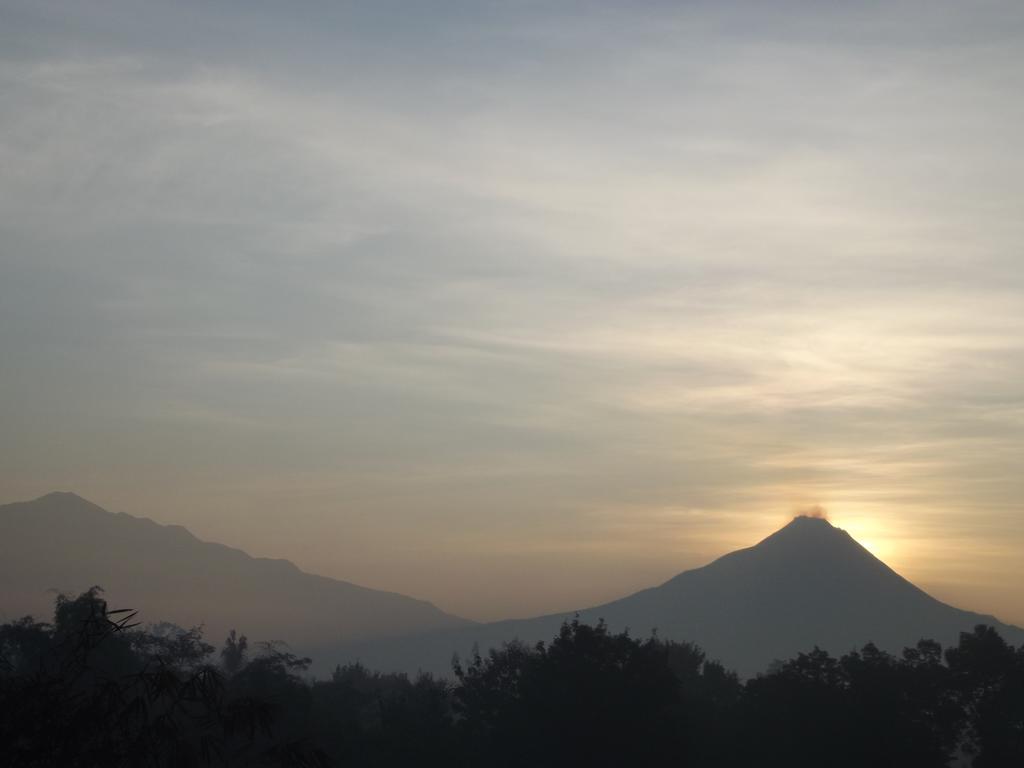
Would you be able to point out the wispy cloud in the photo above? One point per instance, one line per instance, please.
(537, 276)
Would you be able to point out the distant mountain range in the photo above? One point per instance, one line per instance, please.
(807, 584)
(63, 542)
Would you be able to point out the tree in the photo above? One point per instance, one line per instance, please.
(92, 690)
(590, 697)
(232, 655)
(988, 678)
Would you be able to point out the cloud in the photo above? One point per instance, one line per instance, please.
(514, 271)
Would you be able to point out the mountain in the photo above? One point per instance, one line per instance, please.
(63, 542)
(807, 584)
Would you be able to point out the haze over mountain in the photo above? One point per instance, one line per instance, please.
(63, 542)
(808, 584)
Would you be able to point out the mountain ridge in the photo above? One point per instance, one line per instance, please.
(807, 584)
(63, 542)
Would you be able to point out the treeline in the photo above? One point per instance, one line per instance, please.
(94, 689)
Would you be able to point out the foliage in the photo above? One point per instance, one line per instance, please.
(590, 697)
(92, 689)
(95, 689)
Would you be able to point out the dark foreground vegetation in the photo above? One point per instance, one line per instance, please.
(94, 689)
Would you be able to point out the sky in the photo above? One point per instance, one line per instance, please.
(521, 306)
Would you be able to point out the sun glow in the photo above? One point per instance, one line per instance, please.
(874, 534)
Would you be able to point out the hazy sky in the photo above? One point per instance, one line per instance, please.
(518, 306)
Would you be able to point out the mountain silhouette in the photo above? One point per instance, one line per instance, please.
(65, 543)
(808, 584)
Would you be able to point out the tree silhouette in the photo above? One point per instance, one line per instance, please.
(93, 688)
(988, 676)
(589, 697)
(232, 655)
